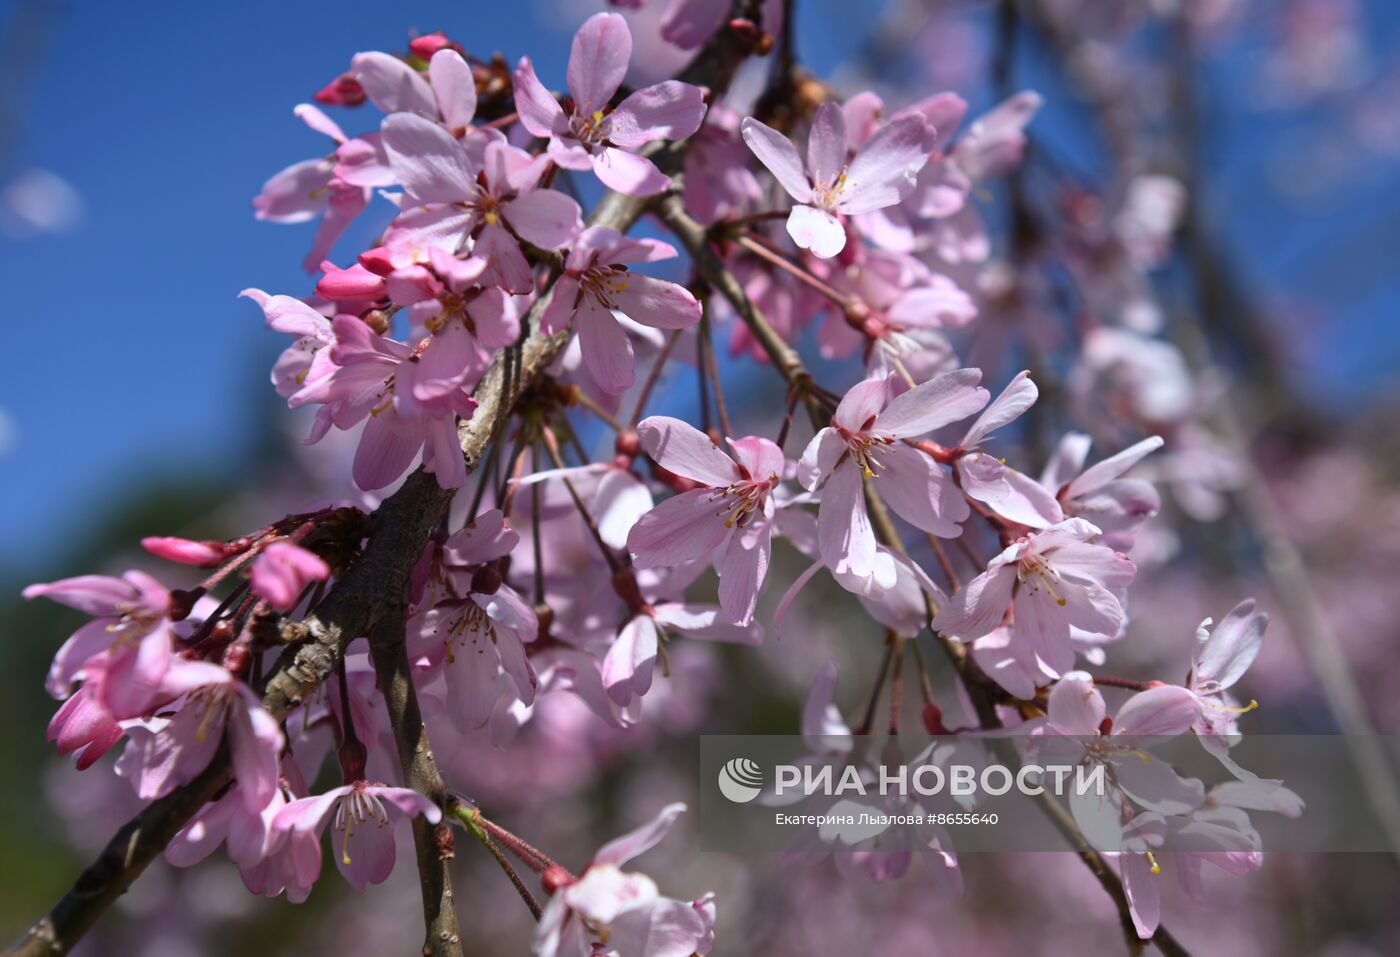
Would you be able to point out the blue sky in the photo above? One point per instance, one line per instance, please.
(127, 352)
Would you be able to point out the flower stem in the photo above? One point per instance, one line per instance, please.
(471, 819)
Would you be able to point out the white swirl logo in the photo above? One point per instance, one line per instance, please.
(740, 780)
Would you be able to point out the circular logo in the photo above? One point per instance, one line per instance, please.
(740, 780)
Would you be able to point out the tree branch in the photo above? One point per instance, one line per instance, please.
(433, 843)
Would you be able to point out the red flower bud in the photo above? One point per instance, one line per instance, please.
(425, 46)
(344, 90)
(553, 878)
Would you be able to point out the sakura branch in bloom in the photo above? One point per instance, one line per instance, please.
(555, 497)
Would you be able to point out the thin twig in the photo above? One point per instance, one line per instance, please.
(469, 817)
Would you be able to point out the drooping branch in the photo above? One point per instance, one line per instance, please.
(981, 689)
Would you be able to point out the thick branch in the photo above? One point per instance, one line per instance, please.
(433, 844)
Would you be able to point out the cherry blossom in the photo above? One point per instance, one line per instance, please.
(836, 180)
(593, 134)
(360, 815)
(866, 440)
(282, 570)
(1222, 656)
(1053, 581)
(478, 631)
(411, 397)
(595, 283)
(624, 911)
(495, 201)
(729, 515)
(130, 630)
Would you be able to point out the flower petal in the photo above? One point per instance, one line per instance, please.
(775, 151)
(816, 230)
(598, 61)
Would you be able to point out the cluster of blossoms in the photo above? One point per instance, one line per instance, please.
(577, 580)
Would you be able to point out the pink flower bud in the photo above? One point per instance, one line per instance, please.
(357, 282)
(344, 90)
(281, 572)
(185, 551)
(379, 260)
(425, 46)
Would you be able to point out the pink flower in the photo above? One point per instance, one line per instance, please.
(337, 186)
(1054, 580)
(593, 134)
(595, 283)
(282, 570)
(166, 753)
(718, 180)
(83, 725)
(728, 519)
(479, 631)
(1076, 709)
(131, 630)
(1222, 836)
(628, 666)
(411, 396)
(1099, 493)
(449, 291)
(269, 861)
(396, 87)
(1222, 657)
(1012, 495)
(837, 180)
(494, 201)
(994, 144)
(362, 814)
(936, 215)
(866, 439)
(613, 911)
(307, 358)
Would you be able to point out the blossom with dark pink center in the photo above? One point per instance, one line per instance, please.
(1054, 581)
(361, 817)
(836, 179)
(728, 519)
(595, 283)
(594, 135)
(411, 396)
(866, 439)
(494, 201)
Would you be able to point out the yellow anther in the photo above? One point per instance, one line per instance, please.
(1156, 868)
(1253, 703)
